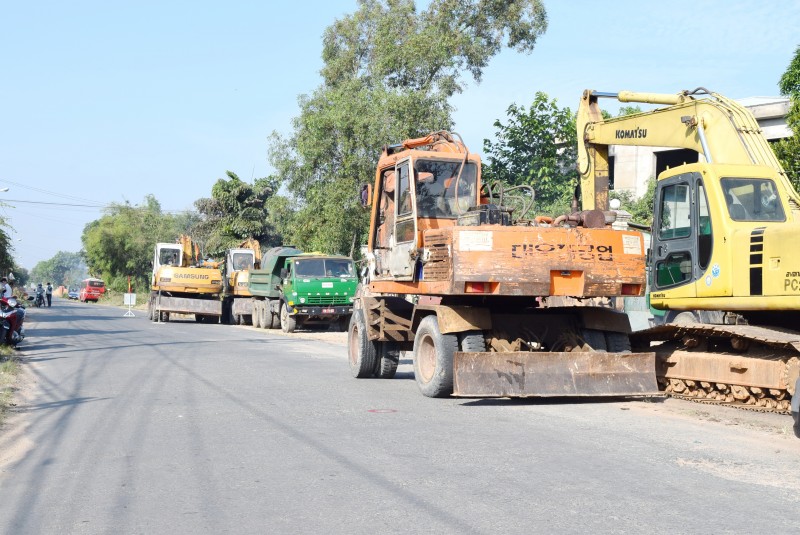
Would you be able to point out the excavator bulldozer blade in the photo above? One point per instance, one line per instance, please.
(541, 374)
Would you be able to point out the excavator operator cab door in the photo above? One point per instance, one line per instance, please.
(681, 244)
(401, 261)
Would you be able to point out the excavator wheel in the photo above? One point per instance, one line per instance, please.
(361, 351)
(472, 342)
(595, 339)
(433, 359)
(388, 357)
(618, 342)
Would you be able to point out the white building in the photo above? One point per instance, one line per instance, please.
(632, 167)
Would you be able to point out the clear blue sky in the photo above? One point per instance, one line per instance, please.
(106, 103)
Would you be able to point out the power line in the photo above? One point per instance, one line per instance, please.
(49, 192)
(97, 206)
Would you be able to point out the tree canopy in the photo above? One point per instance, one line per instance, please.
(121, 242)
(788, 150)
(235, 211)
(536, 146)
(64, 268)
(388, 73)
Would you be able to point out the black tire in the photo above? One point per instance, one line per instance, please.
(472, 342)
(164, 317)
(264, 315)
(433, 359)
(388, 357)
(274, 319)
(618, 342)
(361, 351)
(594, 338)
(288, 323)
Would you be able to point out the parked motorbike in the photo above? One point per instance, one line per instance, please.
(12, 314)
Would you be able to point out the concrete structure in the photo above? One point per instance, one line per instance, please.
(632, 167)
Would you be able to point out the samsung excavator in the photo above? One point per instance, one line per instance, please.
(489, 302)
(184, 283)
(722, 260)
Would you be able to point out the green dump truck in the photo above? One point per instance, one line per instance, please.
(296, 289)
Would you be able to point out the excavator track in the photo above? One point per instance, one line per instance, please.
(744, 366)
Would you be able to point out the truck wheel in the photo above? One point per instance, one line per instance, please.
(361, 351)
(264, 315)
(274, 319)
(241, 319)
(618, 342)
(387, 359)
(594, 338)
(288, 323)
(433, 359)
(164, 317)
(257, 315)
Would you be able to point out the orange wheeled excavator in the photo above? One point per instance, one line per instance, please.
(488, 302)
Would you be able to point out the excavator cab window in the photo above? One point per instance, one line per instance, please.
(445, 188)
(704, 234)
(675, 212)
(752, 199)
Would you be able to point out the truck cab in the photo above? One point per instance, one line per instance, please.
(317, 289)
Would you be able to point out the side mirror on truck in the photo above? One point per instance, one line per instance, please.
(284, 273)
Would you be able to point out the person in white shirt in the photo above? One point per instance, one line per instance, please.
(5, 287)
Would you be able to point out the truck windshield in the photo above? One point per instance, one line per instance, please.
(324, 267)
(437, 195)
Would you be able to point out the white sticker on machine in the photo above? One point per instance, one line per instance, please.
(475, 240)
(631, 244)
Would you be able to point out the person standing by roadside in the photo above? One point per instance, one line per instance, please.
(5, 287)
(48, 292)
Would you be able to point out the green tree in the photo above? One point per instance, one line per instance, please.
(235, 211)
(389, 71)
(788, 150)
(121, 242)
(536, 146)
(64, 268)
(641, 209)
(628, 110)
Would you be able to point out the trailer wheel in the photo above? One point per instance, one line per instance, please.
(682, 318)
(388, 358)
(433, 359)
(594, 338)
(288, 323)
(618, 342)
(361, 351)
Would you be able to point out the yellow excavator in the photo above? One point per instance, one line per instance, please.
(722, 264)
(237, 302)
(185, 283)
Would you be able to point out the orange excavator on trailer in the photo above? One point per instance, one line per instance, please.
(488, 301)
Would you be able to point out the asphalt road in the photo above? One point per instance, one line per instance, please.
(125, 426)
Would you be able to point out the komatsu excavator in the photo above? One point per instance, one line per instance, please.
(485, 300)
(724, 261)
